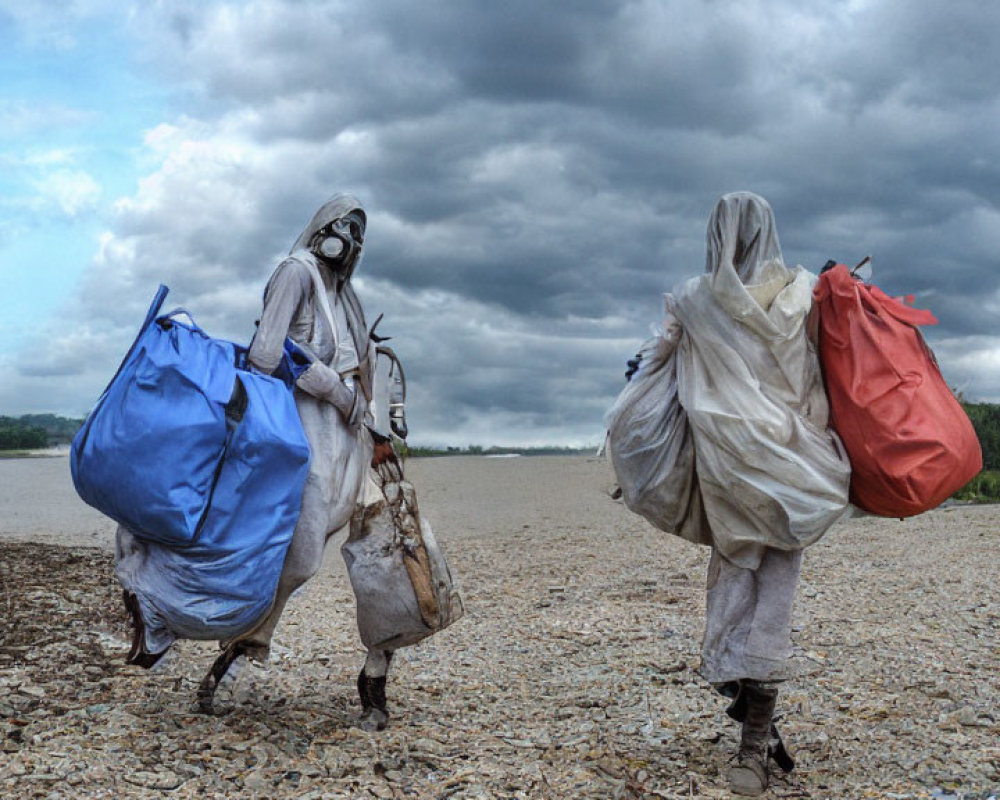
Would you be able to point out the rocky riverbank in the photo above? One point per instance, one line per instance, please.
(573, 674)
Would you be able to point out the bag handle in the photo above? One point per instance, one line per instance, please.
(861, 263)
(155, 306)
(179, 311)
(154, 309)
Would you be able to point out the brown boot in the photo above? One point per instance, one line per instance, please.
(748, 776)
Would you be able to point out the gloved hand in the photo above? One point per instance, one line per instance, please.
(633, 366)
(323, 382)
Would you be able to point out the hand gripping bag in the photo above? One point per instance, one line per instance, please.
(910, 443)
(650, 444)
(204, 461)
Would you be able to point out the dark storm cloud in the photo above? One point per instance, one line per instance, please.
(537, 175)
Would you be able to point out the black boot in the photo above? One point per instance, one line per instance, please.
(374, 714)
(748, 776)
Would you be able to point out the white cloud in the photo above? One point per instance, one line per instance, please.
(535, 178)
(69, 192)
(19, 119)
(971, 365)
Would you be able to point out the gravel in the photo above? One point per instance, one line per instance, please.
(572, 675)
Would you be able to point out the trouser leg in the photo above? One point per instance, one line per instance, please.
(745, 654)
(328, 500)
(302, 562)
(748, 618)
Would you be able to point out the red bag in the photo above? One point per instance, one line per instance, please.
(911, 444)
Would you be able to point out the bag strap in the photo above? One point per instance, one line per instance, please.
(179, 311)
(324, 301)
(900, 310)
(154, 309)
(155, 306)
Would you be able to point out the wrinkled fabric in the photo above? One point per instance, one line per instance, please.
(770, 471)
(748, 618)
(911, 444)
(401, 581)
(649, 443)
(341, 452)
(224, 580)
(202, 463)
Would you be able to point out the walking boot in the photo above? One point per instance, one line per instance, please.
(748, 775)
(371, 691)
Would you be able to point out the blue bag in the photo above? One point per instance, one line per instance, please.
(204, 460)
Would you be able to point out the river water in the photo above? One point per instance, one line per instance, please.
(461, 496)
(38, 503)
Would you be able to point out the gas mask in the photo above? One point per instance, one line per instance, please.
(339, 243)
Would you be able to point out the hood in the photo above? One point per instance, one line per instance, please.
(334, 208)
(742, 238)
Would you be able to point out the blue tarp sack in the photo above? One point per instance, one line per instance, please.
(203, 460)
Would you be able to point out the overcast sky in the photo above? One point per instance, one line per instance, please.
(535, 175)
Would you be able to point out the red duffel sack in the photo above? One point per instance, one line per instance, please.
(910, 442)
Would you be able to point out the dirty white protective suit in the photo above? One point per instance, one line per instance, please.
(332, 399)
(773, 477)
(309, 299)
(771, 473)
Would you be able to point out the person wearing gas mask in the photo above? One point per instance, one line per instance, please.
(309, 299)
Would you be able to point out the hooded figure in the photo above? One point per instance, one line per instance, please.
(772, 476)
(309, 299)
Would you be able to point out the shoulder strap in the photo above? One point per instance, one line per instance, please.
(324, 301)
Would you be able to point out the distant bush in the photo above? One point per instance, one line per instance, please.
(986, 420)
(984, 488)
(22, 437)
(32, 431)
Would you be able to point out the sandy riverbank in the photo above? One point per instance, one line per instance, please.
(572, 676)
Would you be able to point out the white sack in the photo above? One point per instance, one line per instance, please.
(768, 470)
(401, 581)
(771, 472)
(650, 445)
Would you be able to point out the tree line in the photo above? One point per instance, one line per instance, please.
(985, 487)
(986, 420)
(35, 431)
